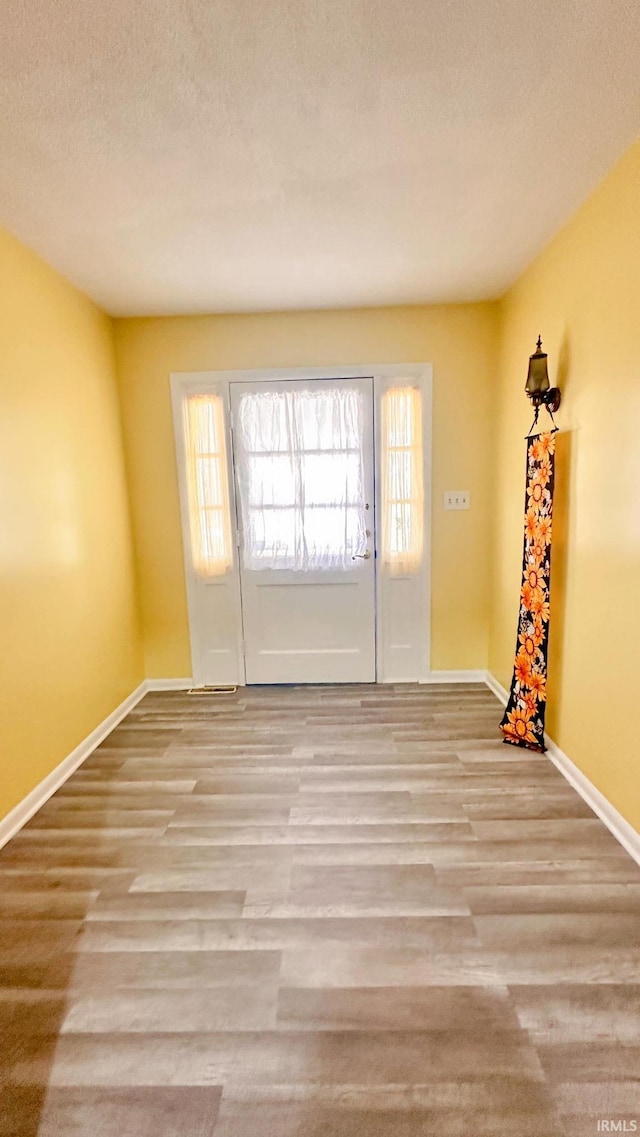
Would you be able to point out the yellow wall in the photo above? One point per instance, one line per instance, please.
(458, 340)
(69, 644)
(583, 295)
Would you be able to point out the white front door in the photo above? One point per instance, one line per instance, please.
(303, 461)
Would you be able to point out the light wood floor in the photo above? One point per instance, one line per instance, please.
(347, 912)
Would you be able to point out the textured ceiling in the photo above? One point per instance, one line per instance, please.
(175, 156)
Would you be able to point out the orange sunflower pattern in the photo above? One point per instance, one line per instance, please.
(523, 722)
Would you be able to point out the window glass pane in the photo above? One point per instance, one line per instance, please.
(271, 480)
(272, 533)
(209, 481)
(328, 420)
(331, 479)
(400, 419)
(207, 441)
(400, 471)
(330, 530)
(265, 423)
(400, 524)
(213, 537)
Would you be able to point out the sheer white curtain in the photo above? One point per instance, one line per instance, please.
(402, 480)
(299, 463)
(207, 485)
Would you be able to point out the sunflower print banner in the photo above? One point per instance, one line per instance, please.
(523, 722)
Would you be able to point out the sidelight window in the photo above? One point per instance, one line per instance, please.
(402, 480)
(208, 486)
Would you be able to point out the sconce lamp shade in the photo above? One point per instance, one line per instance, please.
(538, 376)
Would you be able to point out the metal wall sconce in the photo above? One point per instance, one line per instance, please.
(537, 386)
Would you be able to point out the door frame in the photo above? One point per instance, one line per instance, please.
(384, 375)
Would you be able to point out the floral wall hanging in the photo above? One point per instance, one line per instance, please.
(523, 721)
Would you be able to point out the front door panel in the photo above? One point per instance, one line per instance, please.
(303, 458)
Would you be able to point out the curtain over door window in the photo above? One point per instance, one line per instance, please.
(299, 468)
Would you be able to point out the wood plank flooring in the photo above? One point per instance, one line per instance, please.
(294, 912)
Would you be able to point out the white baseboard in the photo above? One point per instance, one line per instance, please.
(617, 825)
(169, 684)
(497, 688)
(26, 808)
(455, 677)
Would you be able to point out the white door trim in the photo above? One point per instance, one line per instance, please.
(184, 382)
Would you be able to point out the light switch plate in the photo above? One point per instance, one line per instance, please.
(457, 499)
